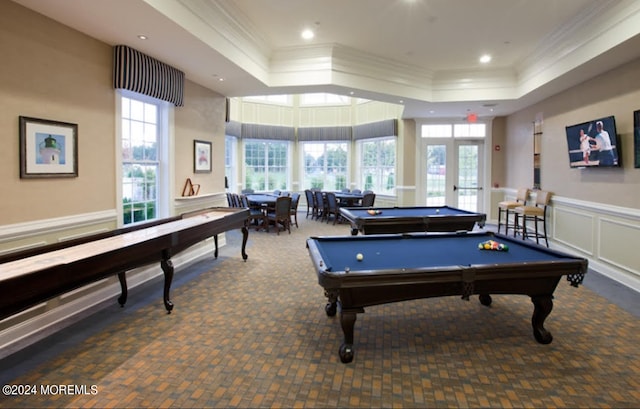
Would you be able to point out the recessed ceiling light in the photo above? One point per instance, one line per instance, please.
(307, 34)
(485, 59)
(142, 37)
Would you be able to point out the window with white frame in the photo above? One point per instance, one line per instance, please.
(285, 100)
(144, 141)
(377, 164)
(325, 165)
(323, 99)
(465, 130)
(230, 162)
(267, 164)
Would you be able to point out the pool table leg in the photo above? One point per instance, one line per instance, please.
(542, 308)
(348, 321)
(332, 305)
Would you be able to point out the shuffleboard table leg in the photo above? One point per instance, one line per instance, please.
(167, 268)
(348, 321)
(122, 277)
(245, 237)
(542, 308)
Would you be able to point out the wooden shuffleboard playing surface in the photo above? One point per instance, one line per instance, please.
(40, 274)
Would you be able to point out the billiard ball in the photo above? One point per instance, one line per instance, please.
(359, 257)
(437, 211)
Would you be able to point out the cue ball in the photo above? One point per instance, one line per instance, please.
(437, 210)
(359, 257)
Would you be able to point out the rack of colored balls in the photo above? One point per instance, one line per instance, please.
(374, 212)
(493, 245)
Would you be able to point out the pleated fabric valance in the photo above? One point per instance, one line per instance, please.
(329, 133)
(233, 128)
(376, 129)
(140, 73)
(256, 131)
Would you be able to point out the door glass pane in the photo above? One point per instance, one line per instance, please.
(468, 177)
(436, 174)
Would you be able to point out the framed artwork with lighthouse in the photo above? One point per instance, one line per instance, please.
(48, 149)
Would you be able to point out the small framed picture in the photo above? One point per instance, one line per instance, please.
(201, 156)
(48, 149)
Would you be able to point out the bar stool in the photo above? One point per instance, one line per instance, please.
(505, 206)
(536, 214)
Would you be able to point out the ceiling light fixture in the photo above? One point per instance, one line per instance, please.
(485, 59)
(307, 34)
(142, 37)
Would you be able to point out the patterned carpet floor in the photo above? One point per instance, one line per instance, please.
(255, 334)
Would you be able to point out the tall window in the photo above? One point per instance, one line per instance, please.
(230, 163)
(377, 160)
(143, 150)
(266, 164)
(325, 165)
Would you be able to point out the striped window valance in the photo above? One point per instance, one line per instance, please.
(140, 73)
(233, 128)
(329, 133)
(256, 131)
(376, 129)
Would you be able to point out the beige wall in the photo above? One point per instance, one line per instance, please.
(614, 93)
(52, 72)
(201, 118)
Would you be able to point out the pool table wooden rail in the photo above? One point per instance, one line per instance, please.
(394, 220)
(36, 275)
(357, 288)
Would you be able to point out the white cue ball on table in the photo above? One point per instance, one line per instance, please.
(359, 257)
(437, 210)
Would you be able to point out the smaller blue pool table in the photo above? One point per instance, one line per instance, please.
(400, 267)
(386, 220)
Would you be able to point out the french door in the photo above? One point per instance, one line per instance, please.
(453, 174)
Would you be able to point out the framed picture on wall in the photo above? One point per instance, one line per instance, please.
(201, 156)
(48, 149)
(636, 138)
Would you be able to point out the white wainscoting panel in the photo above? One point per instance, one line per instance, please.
(575, 229)
(618, 244)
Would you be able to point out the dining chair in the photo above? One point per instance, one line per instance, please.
(295, 200)
(368, 200)
(332, 207)
(311, 208)
(281, 214)
(256, 216)
(320, 205)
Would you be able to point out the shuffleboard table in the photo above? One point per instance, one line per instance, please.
(385, 220)
(422, 265)
(33, 276)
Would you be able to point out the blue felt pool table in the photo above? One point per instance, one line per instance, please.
(384, 220)
(399, 267)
